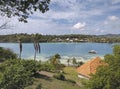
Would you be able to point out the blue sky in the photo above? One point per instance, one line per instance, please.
(72, 17)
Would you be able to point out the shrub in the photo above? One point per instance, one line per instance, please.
(39, 86)
(7, 54)
(17, 74)
(71, 81)
(31, 65)
(59, 76)
(47, 67)
(14, 76)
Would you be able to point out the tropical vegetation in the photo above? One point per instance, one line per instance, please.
(17, 74)
(6, 53)
(28, 38)
(22, 8)
(107, 77)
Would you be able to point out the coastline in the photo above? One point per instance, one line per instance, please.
(64, 59)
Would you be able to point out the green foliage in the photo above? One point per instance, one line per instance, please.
(74, 61)
(22, 8)
(55, 59)
(6, 54)
(116, 50)
(14, 75)
(31, 65)
(25, 38)
(39, 86)
(47, 67)
(71, 81)
(109, 58)
(17, 74)
(107, 77)
(80, 63)
(68, 61)
(59, 76)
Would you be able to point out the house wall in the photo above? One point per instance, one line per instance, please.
(81, 76)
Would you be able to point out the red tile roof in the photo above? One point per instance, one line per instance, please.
(90, 67)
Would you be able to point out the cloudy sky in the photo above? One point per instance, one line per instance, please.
(72, 17)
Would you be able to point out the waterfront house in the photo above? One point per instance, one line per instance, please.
(89, 67)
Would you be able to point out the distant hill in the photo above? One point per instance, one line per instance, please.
(110, 35)
(28, 38)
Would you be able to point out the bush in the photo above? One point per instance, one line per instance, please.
(59, 76)
(47, 67)
(14, 76)
(107, 76)
(17, 74)
(31, 65)
(39, 86)
(7, 54)
(71, 81)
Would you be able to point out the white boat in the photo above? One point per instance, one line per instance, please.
(93, 51)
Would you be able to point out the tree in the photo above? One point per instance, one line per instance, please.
(4, 25)
(55, 59)
(39, 86)
(14, 75)
(68, 61)
(108, 76)
(20, 45)
(80, 63)
(116, 50)
(74, 61)
(17, 74)
(22, 8)
(36, 45)
(6, 54)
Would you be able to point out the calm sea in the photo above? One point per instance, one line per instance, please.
(66, 50)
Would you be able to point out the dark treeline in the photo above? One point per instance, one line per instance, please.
(27, 38)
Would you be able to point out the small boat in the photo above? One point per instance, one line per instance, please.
(92, 51)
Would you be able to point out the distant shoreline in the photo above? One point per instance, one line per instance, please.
(80, 38)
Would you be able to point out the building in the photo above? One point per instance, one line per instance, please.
(89, 67)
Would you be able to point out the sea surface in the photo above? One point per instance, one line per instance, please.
(66, 50)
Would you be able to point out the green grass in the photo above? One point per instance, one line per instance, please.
(52, 83)
(70, 73)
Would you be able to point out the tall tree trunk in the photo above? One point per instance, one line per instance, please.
(35, 55)
(20, 45)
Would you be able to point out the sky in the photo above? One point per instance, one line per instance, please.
(90, 17)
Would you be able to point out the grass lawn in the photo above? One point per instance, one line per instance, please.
(70, 73)
(52, 83)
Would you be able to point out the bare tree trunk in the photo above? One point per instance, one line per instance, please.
(20, 44)
(35, 55)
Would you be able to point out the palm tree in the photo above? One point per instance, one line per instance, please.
(20, 45)
(74, 61)
(55, 59)
(36, 45)
(80, 63)
(68, 61)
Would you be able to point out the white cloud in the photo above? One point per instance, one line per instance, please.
(113, 18)
(79, 25)
(63, 15)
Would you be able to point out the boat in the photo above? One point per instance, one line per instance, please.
(93, 51)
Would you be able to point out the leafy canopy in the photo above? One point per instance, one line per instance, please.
(17, 74)
(22, 8)
(6, 54)
(107, 77)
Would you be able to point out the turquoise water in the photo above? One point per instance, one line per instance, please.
(66, 50)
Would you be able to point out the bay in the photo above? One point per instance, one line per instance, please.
(66, 50)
